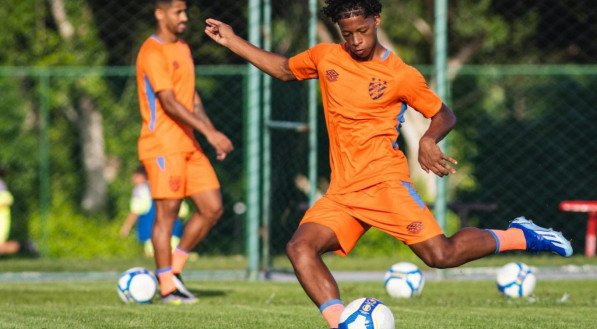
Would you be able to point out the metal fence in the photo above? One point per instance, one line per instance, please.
(522, 84)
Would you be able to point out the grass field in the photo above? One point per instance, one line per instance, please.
(264, 304)
(350, 263)
(239, 304)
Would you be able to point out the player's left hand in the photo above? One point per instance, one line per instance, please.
(431, 158)
(221, 143)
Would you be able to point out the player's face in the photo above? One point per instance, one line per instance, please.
(360, 33)
(174, 17)
(138, 179)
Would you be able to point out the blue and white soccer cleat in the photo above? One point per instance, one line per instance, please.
(177, 278)
(542, 239)
(177, 298)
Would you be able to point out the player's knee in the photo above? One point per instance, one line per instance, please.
(213, 214)
(291, 249)
(437, 258)
(217, 213)
(297, 248)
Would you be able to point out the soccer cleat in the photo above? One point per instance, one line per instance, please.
(180, 286)
(542, 239)
(177, 298)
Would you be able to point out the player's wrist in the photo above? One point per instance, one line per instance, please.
(427, 140)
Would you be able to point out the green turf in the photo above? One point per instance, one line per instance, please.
(379, 263)
(337, 263)
(236, 304)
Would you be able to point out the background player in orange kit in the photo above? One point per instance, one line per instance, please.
(364, 89)
(176, 166)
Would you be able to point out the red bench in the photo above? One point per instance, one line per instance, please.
(589, 207)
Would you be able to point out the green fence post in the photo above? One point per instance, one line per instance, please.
(267, 109)
(441, 49)
(44, 157)
(253, 146)
(312, 107)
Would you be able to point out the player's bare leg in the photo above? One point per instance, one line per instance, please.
(466, 245)
(471, 243)
(166, 214)
(304, 250)
(209, 209)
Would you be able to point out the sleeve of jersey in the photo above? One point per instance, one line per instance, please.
(155, 69)
(304, 65)
(418, 95)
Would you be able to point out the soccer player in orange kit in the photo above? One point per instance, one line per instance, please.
(365, 88)
(176, 166)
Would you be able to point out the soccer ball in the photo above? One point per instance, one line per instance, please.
(404, 280)
(516, 280)
(137, 285)
(366, 313)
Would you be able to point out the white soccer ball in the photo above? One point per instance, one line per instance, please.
(404, 280)
(137, 285)
(366, 313)
(516, 280)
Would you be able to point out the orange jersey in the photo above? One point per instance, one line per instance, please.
(363, 103)
(164, 66)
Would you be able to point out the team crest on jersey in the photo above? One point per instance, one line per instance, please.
(331, 75)
(174, 183)
(175, 65)
(415, 227)
(377, 87)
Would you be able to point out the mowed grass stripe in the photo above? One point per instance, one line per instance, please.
(240, 304)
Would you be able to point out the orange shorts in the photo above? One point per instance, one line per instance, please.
(177, 176)
(392, 207)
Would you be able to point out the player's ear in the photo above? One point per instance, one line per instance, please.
(377, 19)
(159, 14)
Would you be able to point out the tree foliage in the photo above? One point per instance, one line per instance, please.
(98, 33)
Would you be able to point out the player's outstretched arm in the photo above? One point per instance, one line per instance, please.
(128, 224)
(270, 63)
(431, 158)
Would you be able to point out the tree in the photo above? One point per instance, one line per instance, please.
(88, 118)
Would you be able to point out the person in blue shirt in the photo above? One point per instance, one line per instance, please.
(142, 214)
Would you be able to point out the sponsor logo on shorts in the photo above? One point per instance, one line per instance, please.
(174, 183)
(415, 227)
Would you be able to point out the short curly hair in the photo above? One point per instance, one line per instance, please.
(339, 9)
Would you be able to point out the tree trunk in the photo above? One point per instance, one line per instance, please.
(94, 156)
(90, 128)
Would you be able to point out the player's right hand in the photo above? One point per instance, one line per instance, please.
(221, 143)
(218, 31)
(124, 232)
(431, 158)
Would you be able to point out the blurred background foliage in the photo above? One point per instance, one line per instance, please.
(522, 77)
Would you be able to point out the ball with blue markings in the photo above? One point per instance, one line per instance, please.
(516, 280)
(366, 313)
(137, 285)
(404, 280)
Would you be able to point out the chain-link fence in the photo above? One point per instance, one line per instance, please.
(522, 82)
